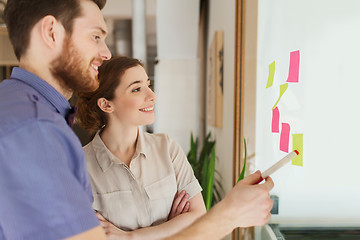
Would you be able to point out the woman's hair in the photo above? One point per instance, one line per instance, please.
(90, 116)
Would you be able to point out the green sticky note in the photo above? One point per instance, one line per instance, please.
(282, 91)
(271, 75)
(298, 145)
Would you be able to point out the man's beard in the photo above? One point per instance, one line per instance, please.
(72, 72)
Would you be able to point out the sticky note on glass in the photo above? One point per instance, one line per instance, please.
(275, 120)
(271, 75)
(298, 145)
(284, 137)
(294, 67)
(283, 88)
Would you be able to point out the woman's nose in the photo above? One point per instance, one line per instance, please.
(151, 95)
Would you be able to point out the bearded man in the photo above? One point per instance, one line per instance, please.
(45, 188)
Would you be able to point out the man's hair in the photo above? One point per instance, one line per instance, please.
(21, 16)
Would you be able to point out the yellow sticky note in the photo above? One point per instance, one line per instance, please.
(283, 88)
(298, 145)
(271, 74)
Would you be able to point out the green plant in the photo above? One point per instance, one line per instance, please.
(242, 174)
(203, 165)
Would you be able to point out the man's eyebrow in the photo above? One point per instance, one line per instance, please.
(103, 31)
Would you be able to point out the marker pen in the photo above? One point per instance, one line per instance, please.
(279, 164)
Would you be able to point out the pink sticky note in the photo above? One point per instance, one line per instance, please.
(294, 67)
(284, 137)
(275, 120)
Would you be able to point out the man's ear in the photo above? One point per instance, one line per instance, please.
(51, 29)
(105, 105)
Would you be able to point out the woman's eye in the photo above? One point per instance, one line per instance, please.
(136, 90)
(150, 86)
(97, 38)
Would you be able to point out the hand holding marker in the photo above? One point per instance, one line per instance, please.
(275, 167)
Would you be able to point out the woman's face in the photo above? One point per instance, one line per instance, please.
(134, 100)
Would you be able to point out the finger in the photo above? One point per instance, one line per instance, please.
(267, 218)
(269, 184)
(100, 217)
(270, 205)
(176, 202)
(179, 198)
(182, 204)
(175, 196)
(186, 208)
(252, 179)
(102, 221)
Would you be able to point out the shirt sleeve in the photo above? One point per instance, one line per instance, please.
(43, 192)
(185, 177)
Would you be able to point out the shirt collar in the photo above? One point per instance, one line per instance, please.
(106, 159)
(103, 155)
(141, 146)
(60, 103)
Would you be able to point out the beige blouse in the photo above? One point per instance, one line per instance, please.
(140, 195)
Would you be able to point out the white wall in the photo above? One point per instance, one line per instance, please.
(177, 73)
(222, 17)
(123, 8)
(177, 25)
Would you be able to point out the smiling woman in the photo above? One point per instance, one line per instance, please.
(143, 184)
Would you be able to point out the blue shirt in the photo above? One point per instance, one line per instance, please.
(45, 192)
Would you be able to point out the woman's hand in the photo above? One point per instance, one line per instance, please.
(180, 204)
(111, 231)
